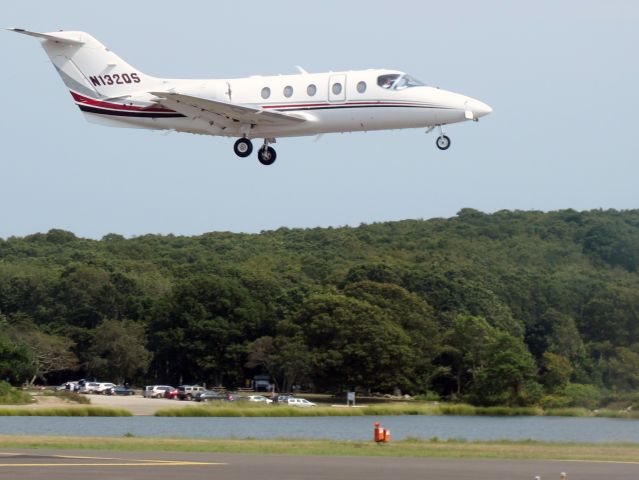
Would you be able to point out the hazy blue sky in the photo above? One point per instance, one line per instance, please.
(561, 76)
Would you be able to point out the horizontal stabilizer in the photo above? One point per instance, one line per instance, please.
(47, 36)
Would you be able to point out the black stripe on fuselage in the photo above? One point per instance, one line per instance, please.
(122, 113)
(292, 108)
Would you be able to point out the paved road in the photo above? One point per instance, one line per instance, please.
(67, 465)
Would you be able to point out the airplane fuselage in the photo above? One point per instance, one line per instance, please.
(110, 91)
(311, 96)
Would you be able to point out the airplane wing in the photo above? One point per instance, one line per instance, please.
(196, 106)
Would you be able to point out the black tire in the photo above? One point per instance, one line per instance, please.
(443, 142)
(243, 147)
(266, 155)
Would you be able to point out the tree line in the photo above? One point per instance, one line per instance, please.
(506, 308)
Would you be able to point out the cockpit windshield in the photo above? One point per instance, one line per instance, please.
(398, 81)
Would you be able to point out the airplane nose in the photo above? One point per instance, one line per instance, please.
(479, 109)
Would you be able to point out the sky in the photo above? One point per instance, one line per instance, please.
(561, 76)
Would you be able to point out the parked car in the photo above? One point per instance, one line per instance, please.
(259, 398)
(281, 399)
(299, 402)
(122, 390)
(209, 395)
(187, 392)
(156, 391)
(89, 387)
(262, 383)
(67, 386)
(171, 394)
(103, 386)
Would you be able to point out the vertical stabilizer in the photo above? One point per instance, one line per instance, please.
(89, 68)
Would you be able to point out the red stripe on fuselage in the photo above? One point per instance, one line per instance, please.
(116, 106)
(373, 103)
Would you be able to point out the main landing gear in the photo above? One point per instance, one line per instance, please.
(243, 147)
(266, 154)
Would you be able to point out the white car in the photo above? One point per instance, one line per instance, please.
(299, 402)
(89, 387)
(259, 398)
(104, 386)
(156, 391)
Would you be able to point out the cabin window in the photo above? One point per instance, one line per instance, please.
(386, 81)
(288, 91)
(361, 87)
(311, 90)
(396, 81)
(406, 81)
(337, 88)
(266, 92)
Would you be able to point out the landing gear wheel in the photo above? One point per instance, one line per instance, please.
(266, 155)
(243, 147)
(443, 142)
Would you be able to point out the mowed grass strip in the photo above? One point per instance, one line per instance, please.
(405, 448)
(80, 411)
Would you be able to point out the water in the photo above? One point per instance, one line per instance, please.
(554, 429)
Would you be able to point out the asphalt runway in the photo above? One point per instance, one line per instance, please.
(71, 465)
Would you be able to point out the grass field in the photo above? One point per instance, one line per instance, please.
(65, 412)
(224, 409)
(404, 448)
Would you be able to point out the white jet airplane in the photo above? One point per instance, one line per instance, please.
(111, 92)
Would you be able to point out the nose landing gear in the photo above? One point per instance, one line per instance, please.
(266, 154)
(442, 142)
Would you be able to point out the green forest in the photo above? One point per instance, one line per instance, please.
(509, 308)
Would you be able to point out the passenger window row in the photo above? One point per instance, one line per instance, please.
(311, 90)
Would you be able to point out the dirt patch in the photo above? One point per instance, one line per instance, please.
(137, 404)
(45, 401)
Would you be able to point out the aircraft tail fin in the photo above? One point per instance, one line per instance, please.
(89, 68)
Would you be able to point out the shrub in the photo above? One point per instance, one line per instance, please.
(13, 396)
(429, 396)
(586, 396)
(554, 401)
